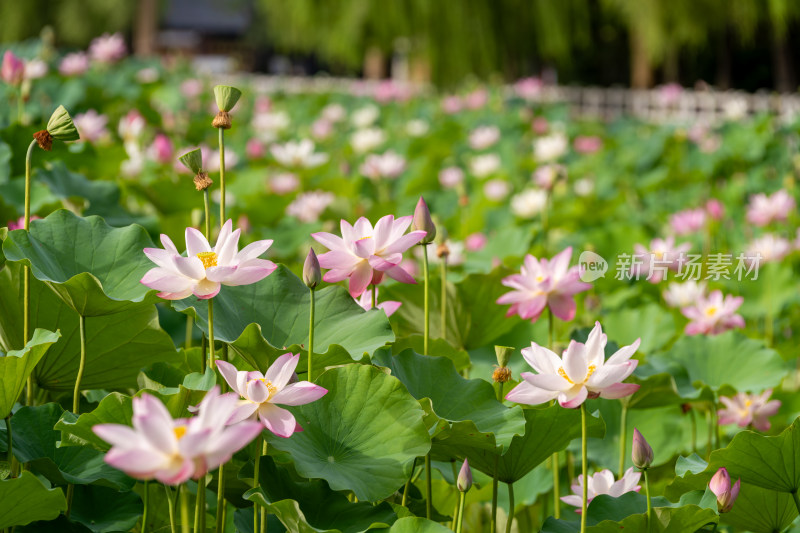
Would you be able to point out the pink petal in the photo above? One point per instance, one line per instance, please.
(548, 382)
(233, 439)
(624, 354)
(574, 362)
(279, 421)
(360, 279)
(137, 462)
(527, 394)
(299, 393)
(389, 307)
(190, 267)
(329, 240)
(251, 274)
(570, 403)
(220, 273)
(117, 434)
(253, 250)
(196, 242)
(162, 258)
(339, 260)
(162, 279)
(563, 306)
(206, 289)
(280, 372)
(386, 262)
(399, 274)
(257, 391)
(244, 411)
(619, 390)
(178, 475)
(542, 360)
(405, 242)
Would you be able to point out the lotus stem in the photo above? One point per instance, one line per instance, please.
(649, 505)
(493, 523)
(183, 494)
(26, 271)
(171, 508)
(428, 490)
(454, 522)
(427, 307)
(510, 507)
(709, 422)
(211, 356)
(207, 208)
(694, 428)
(221, 499)
(76, 397)
(200, 505)
(70, 493)
(584, 467)
(256, 468)
(188, 342)
(444, 298)
(311, 336)
(144, 512)
(9, 446)
(554, 461)
(263, 511)
(408, 482)
(460, 520)
(623, 436)
(221, 176)
(374, 296)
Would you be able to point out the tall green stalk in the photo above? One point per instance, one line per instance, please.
(256, 469)
(211, 356)
(428, 491)
(200, 505)
(263, 511)
(26, 271)
(9, 447)
(171, 508)
(207, 208)
(426, 275)
(510, 507)
(623, 436)
(76, 397)
(408, 483)
(221, 176)
(493, 523)
(146, 505)
(584, 467)
(221, 499)
(649, 505)
(554, 461)
(183, 496)
(311, 335)
(444, 298)
(460, 519)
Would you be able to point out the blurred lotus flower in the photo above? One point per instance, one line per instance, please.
(550, 148)
(212, 158)
(74, 64)
(735, 108)
(688, 221)
(268, 124)
(367, 139)
(417, 127)
(147, 75)
(262, 393)
(365, 116)
(726, 494)
(483, 137)
(161, 150)
(540, 126)
(542, 283)
(641, 451)
(476, 99)
(768, 248)
(173, 451)
(191, 88)
(35, 69)
(464, 479)
(12, 70)
(546, 175)
(108, 48)
(19, 223)
(255, 149)
(388, 165)
(308, 206)
(764, 209)
(284, 183)
(334, 112)
(365, 301)
(669, 94)
(476, 242)
(496, 190)
(131, 126)
(712, 315)
(263, 104)
(715, 209)
(451, 177)
(748, 409)
(582, 372)
(92, 126)
(321, 129)
(364, 251)
(451, 104)
(483, 166)
(583, 187)
(602, 482)
(585, 144)
(205, 269)
(455, 253)
(684, 294)
(662, 255)
(529, 203)
(298, 154)
(528, 88)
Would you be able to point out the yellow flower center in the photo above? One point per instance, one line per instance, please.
(270, 387)
(748, 403)
(209, 259)
(711, 311)
(179, 431)
(539, 278)
(563, 374)
(367, 237)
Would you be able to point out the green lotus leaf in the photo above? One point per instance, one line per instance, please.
(103, 509)
(311, 506)
(684, 519)
(118, 345)
(35, 442)
(93, 267)
(17, 365)
(454, 398)
(363, 435)
(415, 524)
(279, 305)
(728, 359)
(651, 323)
(26, 499)
(547, 431)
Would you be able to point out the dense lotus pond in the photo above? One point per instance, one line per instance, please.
(387, 308)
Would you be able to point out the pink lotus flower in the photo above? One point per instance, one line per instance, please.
(262, 392)
(748, 409)
(712, 315)
(540, 126)
(20, 223)
(663, 255)
(255, 149)
(546, 175)
(476, 99)
(74, 64)
(715, 209)
(764, 209)
(205, 269)
(768, 248)
(173, 451)
(364, 253)
(451, 104)
(298, 154)
(585, 144)
(35, 69)
(108, 48)
(496, 190)
(581, 372)
(321, 129)
(389, 306)
(451, 177)
(284, 183)
(726, 495)
(688, 221)
(602, 482)
(389, 165)
(541, 283)
(91, 126)
(308, 206)
(483, 137)
(131, 125)
(13, 68)
(669, 94)
(476, 242)
(528, 88)
(684, 294)
(161, 150)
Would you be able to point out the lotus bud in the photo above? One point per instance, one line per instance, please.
(464, 480)
(726, 495)
(312, 275)
(60, 128)
(641, 452)
(13, 69)
(423, 221)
